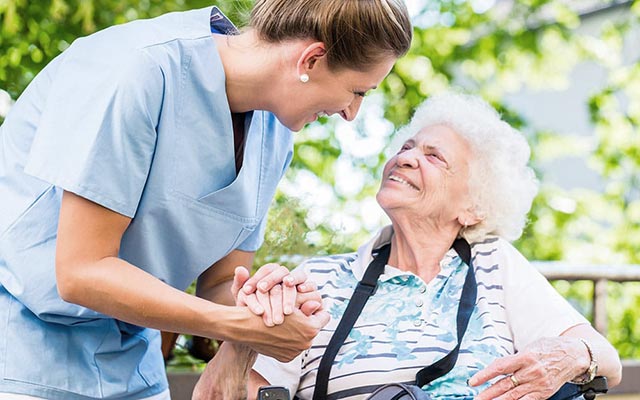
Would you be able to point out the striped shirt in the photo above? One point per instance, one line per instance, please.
(409, 324)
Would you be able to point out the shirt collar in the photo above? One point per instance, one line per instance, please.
(448, 263)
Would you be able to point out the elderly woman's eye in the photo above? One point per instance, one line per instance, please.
(435, 156)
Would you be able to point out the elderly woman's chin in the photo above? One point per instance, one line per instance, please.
(392, 194)
(389, 201)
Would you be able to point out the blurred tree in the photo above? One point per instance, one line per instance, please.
(489, 47)
(32, 33)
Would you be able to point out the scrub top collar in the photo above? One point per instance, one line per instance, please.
(220, 23)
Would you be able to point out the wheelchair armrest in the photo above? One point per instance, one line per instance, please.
(588, 391)
(597, 386)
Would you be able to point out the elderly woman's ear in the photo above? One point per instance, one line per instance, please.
(469, 217)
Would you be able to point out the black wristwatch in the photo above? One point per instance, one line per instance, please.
(591, 372)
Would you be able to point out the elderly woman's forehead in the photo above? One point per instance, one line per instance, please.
(437, 131)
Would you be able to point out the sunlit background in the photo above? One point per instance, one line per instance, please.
(566, 73)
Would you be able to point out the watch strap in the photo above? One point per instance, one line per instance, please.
(591, 371)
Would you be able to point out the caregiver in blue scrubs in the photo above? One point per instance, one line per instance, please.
(145, 156)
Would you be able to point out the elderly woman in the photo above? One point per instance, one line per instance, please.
(462, 173)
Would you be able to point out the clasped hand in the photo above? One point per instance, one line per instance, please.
(274, 292)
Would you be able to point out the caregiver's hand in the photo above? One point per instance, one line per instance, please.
(226, 375)
(274, 292)
(536, 372)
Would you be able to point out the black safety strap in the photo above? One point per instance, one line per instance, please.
(363, 291)
(465, 309)
(366, 287)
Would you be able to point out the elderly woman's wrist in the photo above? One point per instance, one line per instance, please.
(242, 354)
(240, 361)
(586, 364)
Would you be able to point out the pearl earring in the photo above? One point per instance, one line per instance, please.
(304, 78)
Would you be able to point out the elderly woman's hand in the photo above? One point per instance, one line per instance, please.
(274, 292)
(537, 372)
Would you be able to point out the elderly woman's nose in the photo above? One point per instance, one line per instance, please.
(408, 158)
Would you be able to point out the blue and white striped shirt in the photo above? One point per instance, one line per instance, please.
(409, 324)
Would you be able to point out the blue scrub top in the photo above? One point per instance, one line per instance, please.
(135, 118)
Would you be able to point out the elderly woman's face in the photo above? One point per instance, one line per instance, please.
(428, 176)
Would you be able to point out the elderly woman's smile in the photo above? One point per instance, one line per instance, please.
(432, 168)
(404, 181)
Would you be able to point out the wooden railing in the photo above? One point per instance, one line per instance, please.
(600, 275)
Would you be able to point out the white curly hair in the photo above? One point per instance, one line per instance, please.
(501, 183)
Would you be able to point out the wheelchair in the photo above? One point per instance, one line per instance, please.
(587, 391)
(569, 391)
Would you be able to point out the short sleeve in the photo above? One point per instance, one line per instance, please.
(278, 373)
(534, 308)
(97, 133)
(255, 239)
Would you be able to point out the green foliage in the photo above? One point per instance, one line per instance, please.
(622, 310)
(532, 44)
(182, 360)
(622, 305)
(498, 54)
(286, 238)
(32, 33)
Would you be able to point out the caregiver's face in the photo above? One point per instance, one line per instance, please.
(330, 92)
(428, 176)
